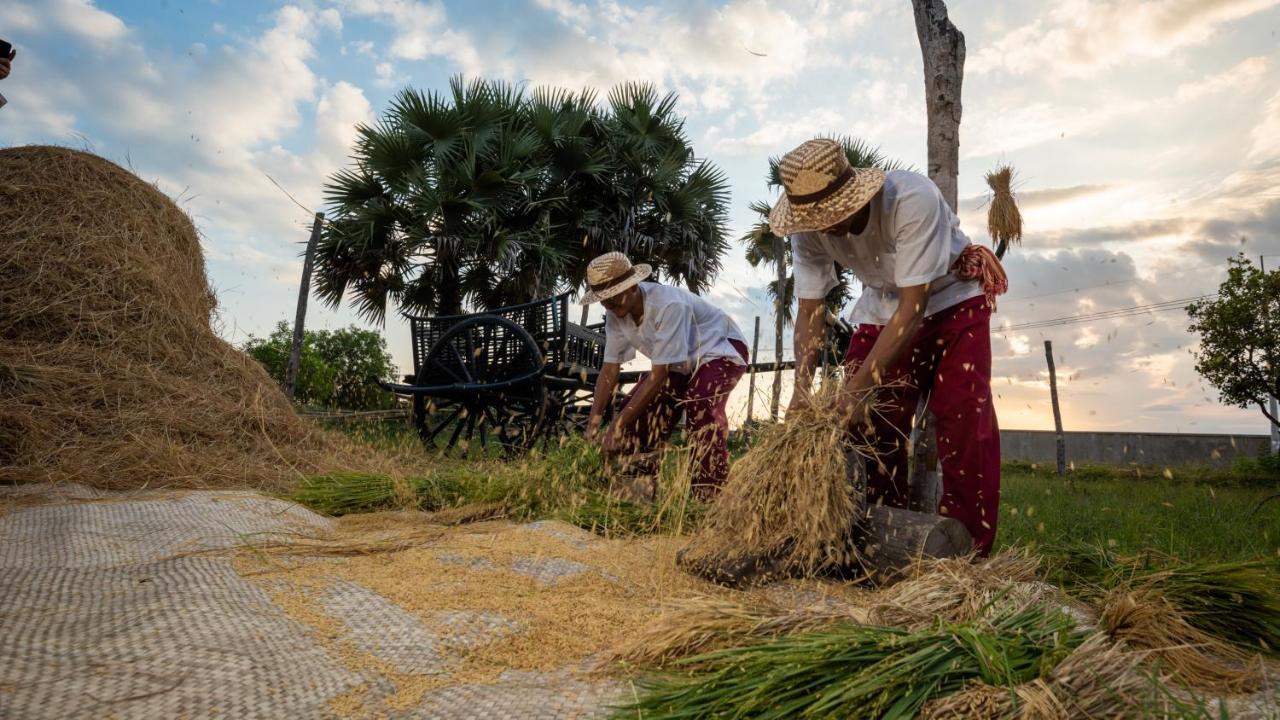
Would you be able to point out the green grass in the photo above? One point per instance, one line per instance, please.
(1187, 518)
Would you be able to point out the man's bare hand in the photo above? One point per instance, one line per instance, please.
(5, 65)
(593, 426)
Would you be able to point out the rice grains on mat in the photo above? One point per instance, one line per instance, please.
(110, 374)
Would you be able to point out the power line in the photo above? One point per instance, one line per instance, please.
(1111, 314)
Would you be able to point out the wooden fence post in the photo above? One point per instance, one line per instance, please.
(779, 258)
(751, 379)
(300, 319)
(1057, 414)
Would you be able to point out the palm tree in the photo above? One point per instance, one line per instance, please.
(760, 240)
(487, 196)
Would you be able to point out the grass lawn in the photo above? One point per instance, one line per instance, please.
(1193, 519)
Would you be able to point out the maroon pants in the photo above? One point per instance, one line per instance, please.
(702, 396)
(950, 357)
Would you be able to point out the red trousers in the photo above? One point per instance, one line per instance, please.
(702, 396)
(950, 357)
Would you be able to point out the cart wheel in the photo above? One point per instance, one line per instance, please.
(497, 370)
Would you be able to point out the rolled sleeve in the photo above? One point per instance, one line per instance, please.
(617, 349)
(814, 268)
(671, 334)
(922, 234)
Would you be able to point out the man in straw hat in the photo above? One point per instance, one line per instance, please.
(922, 321)
(698, 356)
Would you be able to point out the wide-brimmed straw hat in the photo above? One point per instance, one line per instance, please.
(610, 274)
(821, 188)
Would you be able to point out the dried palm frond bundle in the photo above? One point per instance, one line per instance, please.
(110, 373)
(1144, 619)
(960, 590)
(860, 671)
(1004, 220)
(791, 498)
(700, 624)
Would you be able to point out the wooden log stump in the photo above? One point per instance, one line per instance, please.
(895, 538)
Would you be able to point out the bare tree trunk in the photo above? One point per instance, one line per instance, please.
(300, 319)
(942, 47)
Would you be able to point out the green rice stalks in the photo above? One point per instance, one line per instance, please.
(343, 493)
(1236, 601)
(859, 671)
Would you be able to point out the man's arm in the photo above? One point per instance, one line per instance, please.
(887, 350)
(639, 403)
(606, 382)
(809, 333)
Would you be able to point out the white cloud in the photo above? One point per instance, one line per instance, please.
(1266, 133)
(420, 31)
(1243, 76)
(1081, 38)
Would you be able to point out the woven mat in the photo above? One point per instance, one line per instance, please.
(98, 618)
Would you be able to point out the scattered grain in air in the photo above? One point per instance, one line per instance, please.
(1013, 510)
(1168, 473)
(1167, 504)
(1111, 542)
(1040, 526)
(1031, 510)
(1213, 494)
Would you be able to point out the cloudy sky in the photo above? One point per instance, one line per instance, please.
(1146, 136)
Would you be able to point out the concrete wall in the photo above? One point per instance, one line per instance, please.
(1117, 448)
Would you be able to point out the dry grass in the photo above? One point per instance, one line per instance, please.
(789, 497)
(960, 590)
(109, 372)
(1145, 620)
(1004, 220)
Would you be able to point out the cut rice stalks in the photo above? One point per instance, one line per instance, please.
(701, 624)
(789, 498)
(961, 590)
(1237, 602)
(1146, 620)
(860, 671)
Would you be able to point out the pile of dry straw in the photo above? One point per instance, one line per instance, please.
(109, 372)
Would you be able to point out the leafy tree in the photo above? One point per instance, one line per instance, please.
(1239, 331)
(486, 196)
(759, 240)
(335, 366)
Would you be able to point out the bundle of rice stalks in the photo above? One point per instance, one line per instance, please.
(960, 590)
(701, 624)
(860, 671)
(110, 374)
(1099, 679)
(343, 493)
(1235, 601)
(790, 498)
(1004, 220)
(1146, 620)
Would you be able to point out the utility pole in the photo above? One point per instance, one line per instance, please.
(780, 258)
(751, 379)
(300, 319)
(1275, 404)
(1057, 414)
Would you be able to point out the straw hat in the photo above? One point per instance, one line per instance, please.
(610, 274)
(822, 188)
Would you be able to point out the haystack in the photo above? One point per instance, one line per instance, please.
(110, 374)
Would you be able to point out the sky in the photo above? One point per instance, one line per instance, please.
(1145, 134)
